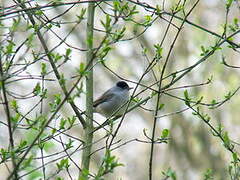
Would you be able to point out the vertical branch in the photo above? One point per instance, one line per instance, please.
(7, 111)
(160, 84)
(89, 95)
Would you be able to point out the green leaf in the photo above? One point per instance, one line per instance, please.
(158, 51)
(54, 130)
(229, 3)
(40, 121)
(199, 100)
(37, 89)
(15, 24)
(22, 144)
(204, 51)
(30, 40)
(57, 100)
(43, 69)
(145, 50)
(208, 175)
(165, 133)
(213, 102)
(38, 12)
(44, 94)
(68, 52)
(109, 163)
(63, 164)
(41, 144)
(137, 99)
(84, 175)
(158, 9)
(226, 139)
(4, 154)
(148, 19)
(14, 104)
(69, 144)
(170, 173)
(81, 16)
(187, 99)
(62, 80)
(62, 123)
(119, 33)
(36, 27)
(56, 56)
(107, 23)
(219, 129)
(235, 21)
(133, 11)
(15, 118)
(228, 95)
(9, 47)
(71, 121)
(160, 107)
(215, 48)
(89, 40)
(27, 162)
(207, 118)
(116, 5)
(59, 178)
(235, 157)
(82, 69)
(153, 93)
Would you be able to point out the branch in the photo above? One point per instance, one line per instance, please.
(89, 96)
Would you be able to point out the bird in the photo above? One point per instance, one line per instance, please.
(114, 101)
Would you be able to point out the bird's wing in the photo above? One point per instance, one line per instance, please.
(105, 97)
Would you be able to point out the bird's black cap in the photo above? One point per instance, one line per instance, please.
(123, 85)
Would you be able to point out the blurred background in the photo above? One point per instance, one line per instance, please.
(192, 149)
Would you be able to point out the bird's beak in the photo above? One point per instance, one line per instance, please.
(130, 88)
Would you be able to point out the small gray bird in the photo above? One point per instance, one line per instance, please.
(113, 100)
